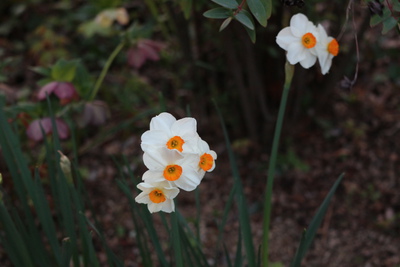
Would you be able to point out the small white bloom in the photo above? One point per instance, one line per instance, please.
(178, 169)
(299, 40)
(327, 48)
(166, 131)
(157, 196)
(207, 157)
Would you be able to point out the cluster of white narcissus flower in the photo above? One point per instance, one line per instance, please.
(176, 158)
(305, 42)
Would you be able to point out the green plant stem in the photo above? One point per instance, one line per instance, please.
(176, 242)
(289, 69)
(105, 70)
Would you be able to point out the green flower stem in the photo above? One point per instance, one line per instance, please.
(176, 244)
(289, 69)
(105, 70)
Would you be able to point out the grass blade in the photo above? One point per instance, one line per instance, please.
(17, 246)
(243, 211)
(308, 235)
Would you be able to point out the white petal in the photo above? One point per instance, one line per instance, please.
(168, 206)
(171, 192)
(308, 61)
(153, 177)
(142, 198)
(203, 146)
(153, 160)
(295, 53)
(201, 173)
(154, 207)
(189, 181)
(185, 126)
(169, 156)
(189, 161)
(325, 68)
(298, 25)
(153, 139)
(285, 37)
(162, 122)
(213, 154)
(191, 145)
(322, 33)
(322, 57)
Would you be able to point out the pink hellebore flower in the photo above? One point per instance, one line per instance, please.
(65, 91)
(34, 131)
(144, 50)
(95, 113)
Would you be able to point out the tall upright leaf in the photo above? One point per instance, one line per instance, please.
(240, 198)
(308, 235)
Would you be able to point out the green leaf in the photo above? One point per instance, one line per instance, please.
(245, 18)
(186, 6)
(64, 71)
(388, 24)
(308, 235)
(232, 4)
(217, 13)
(268, 7)
(376, 19)
(252, 35)
(259, 11)
(396, 5)
(225, 23)
(41, 70)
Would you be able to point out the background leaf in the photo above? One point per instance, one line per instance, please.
(259, 11)
(232, 4)
(186, 6)
(64, 71)
(245, 18)
(376, 19)
(217, 13)
(225, 23)
(388, 24)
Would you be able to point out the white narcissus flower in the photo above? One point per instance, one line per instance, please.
(166, 131)
(299, 40)
(157, 196)
(170, 165)
(327, 48)
(206, 158)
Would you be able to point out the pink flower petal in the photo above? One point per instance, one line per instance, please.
(135, 58)
(48, 88)
(65, 90)
(34, 131)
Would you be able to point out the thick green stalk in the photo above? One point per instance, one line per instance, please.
(176, 242)
(289, 69)
(104, 71)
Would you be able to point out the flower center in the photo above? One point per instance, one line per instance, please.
(157, 196)
(308, 40)
(206, 162)
(333, 47)
(172, 172)
(175, 143)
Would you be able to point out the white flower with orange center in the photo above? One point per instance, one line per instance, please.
(178, 169)
(207, 158)
(157, 196)
(299, 40)
(327, 49)
(166, 131)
